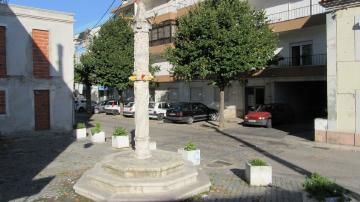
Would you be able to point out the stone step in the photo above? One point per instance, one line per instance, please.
(161, 163)
(86, 188)
(101, 178)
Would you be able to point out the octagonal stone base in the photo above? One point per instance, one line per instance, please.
(163, 177)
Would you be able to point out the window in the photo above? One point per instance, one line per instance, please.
(41, 53)
(2, 102)
(2, 51)
(301, 54)
(162, 33)
(196, 94)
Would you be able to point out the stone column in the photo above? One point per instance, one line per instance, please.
(141, 67)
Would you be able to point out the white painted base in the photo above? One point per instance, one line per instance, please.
(258, 175)
(98, 137)
(122, 177)
(119, 142)
(152, 146)
(80, 133)
(192, 156)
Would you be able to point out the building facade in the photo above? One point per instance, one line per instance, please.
(36, 69)
(342, 125)
(298, 75)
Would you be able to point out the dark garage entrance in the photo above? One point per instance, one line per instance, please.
(308, 99)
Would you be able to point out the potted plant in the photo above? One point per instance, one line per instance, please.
(258, 173)
(97, 135)
(120, 138)
(190, 153)
(323, 189)
(80, 131)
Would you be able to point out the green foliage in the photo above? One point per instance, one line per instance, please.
(219, 40)
(190, 147)
(320, 187)
(96, 129)
(120, 132)
(80, 126)
(112, 53)
(258, 162)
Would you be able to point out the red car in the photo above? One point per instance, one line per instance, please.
(266, 115)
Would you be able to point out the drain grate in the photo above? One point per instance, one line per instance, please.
(218, 164)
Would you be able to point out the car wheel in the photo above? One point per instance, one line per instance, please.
(160, 117)
(81, 110)
(214, 117)
(269, 124)
(190, 120)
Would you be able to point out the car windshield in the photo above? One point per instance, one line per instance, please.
(110, 103)
(151, 105)
(263, 108)
(130, 104)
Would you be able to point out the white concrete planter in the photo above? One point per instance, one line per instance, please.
(307, 198)
(80, 133)
(98, 137)
(258, 175)
(119, 142)
(152, 146)
(192, 156)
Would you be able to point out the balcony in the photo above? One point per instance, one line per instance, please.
(305, 60)
(295, 13)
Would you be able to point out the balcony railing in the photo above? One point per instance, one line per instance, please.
(306, 60)
(295, 13)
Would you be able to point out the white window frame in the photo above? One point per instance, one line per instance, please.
(302, 43)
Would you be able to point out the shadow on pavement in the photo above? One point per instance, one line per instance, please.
(267, 154)
(24, 158)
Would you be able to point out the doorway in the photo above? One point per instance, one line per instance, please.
(42, 110)
(254, 96)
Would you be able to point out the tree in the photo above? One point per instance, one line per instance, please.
(84, 73)
(218, 40)
(112, 53)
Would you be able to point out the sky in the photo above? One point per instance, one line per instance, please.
(87, 12)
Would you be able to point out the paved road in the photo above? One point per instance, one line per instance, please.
(44, 166)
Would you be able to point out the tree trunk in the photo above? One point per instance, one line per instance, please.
(121, 101)
(88, 98)
(222, 107)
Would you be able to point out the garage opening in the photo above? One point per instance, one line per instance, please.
(308, 99)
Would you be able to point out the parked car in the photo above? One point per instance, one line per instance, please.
(112, 107)
(157, 110)
(129, 109)
(80, 105)
(266, 115)
(100, 107)
(186, 112)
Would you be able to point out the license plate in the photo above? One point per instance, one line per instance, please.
(172, 114)
(252, 121)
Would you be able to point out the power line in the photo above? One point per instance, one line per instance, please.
(106, 12)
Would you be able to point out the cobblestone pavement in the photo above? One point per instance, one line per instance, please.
(44, 167)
